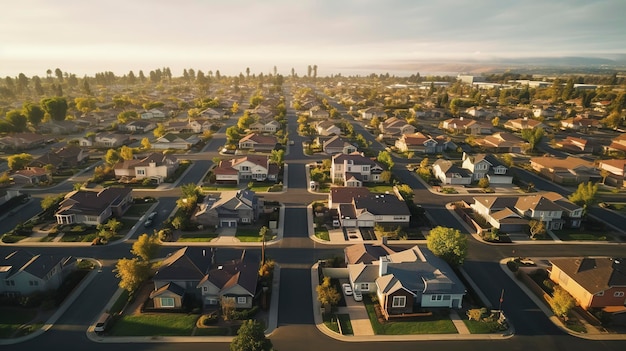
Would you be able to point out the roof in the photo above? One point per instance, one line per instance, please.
(260, 139)
(171, 287)
(366, 253)
(356, 158)
(363, 273)
(337, 141)
(36, 265)
(187, 263)
(388, 284)
(536, 203)
(569, 162)
(383, 204)
(92, 201)
(594, 274)
(344, 195)
(242, 272)
(496, 202)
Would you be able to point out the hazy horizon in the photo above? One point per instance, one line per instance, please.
(85, 38)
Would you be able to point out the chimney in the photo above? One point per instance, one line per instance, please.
(382, 268)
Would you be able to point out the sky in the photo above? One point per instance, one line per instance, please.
(87, 37)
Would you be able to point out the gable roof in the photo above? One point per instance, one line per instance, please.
(259, 139)
(92, 202)
(356, 158)
(594, 274)
(242, 272)
(186, 263)
(344, 195)
(37, 265)
(366, 253)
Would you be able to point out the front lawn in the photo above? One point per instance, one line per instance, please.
(197, 237)
(11, 318)
(581, 234)
(170, 324)
(380, 188)
(137, 210)
(482, 327)
(248, 235)
(438, 323)
(322, 233)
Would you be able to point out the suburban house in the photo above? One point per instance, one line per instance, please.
(502, 142)
(395, 126)
(21, 141)
(93, 207)
(372, 112)
(326, 128)
(156, 166)
(31, 175)
(574, 144)
(354, 169)
(371, 209)
(449, 173)
(269, 126)
(594, 282)
(139, 126)
(57, 127)
(317, 112)
(104, 140)
(403, 281)
(547, 112)
(337, 144)
(580, 123)
(465, 126)
(175, 141)
(570, 170)
(192, 272)
(247, 168)
(487, 165)
(258, 142)
(511, 214)
(520, 124)
(339, 195)
(153, 113)
(617, 170)
(23, 273)
(228, 208)
(70, 156)
(211, 113)
(617, 144)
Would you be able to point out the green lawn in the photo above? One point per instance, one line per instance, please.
(12, 318)
(155, 324)
(330, 321)
(119, 303)
(346, 324)
(580, 234)
(248, 235)
(215, 331)
(476, 327)
(322, 233)
(435, 324)
(138, 210)
(380, 188)
(197, 237)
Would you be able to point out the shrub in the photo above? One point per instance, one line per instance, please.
(209, 319)
(245, 314)
(477, 314)
(513, 266)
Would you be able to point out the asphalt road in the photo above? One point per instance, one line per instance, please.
(295, 254)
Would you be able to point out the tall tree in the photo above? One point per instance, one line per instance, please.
(19, 161)
(18, 121)
(448, 243)
(34, 113)
(146, 247)
(327, 295)
(533, 136)
(56, 107)
(385, 159)
(132, 272)
(126, 153)
(251, 337)
(585, 195)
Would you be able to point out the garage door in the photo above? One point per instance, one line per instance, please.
(365, 223)
(228, 223)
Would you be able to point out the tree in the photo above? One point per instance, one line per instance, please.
(537, 228)
(585, 195)
(146, 247)
(251, 337)
(385, 176)
(56, 107)
(34, 113)
(145, 144)
(263, 234)
(406, 192)
(604, 174)
(126, 153)
(613, 120)
(483, 183)
(277, 157)
(562, 302)
(448, 243)
(111, 157)
(533, 136)
(159, 131)
(51, 201)
(327, 295)
(18, 121)
(19, 161)
(384, 157)
(132, 272)
(495, 121)
(235, 108)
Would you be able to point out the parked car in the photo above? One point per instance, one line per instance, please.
(357, 296)
(149, 220)
(347, 289)
(102, 323)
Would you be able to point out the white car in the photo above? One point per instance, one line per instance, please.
(357, 296)
(347, 289)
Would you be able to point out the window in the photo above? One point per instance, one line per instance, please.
(10, 282)
(365, 168)
(205, 289)
(618, 294)
(241, 300)
(365, 287)
(167, 302)
(245, 220)
(398, 301)
(244, 168)
(141, 172)
(436, 297)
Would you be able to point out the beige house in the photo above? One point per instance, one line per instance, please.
(156, 165)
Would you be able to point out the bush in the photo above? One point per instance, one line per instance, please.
(209, 319)
(477, 314)
(246, 313)
(513, 266)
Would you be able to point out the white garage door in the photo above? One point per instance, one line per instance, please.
(365, 223)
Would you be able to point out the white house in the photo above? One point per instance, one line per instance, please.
(449, 173)
(355, 167)
(23, 273)
(247, 168)
(157, 166)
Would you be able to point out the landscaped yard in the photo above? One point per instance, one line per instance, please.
(12, 317)
(322, 233)
(581, 234)
(332, 321)
(169, 324)
(197, 237)
(248, 235)
(138, 210)
(380, 188)
(435, 324)
(482, 327)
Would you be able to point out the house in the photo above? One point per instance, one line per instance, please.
(70, 156)
(617, 170)
(463, 125)
(31, 175)
(569, 170)
(258, 142)
(594, 282)
(93, 207)
(235, 280)
(403, 281)
(228, 208)
(574, 144)
(502, 142)
(104, 140)
(580, 123)
(317, 112)
(23, 273)
(192, 272)
(212, 114)
(487, 165)
(372, 112)
(547, 112)
(152, 113)
(354, 169)
(339, 195)
(326, 128)
(199, 125)
(372, 209)
(501, 213)
(175, 141)
(449, 173)
(617, 144)
(337, 144)
(21, 141)
(247, 168)
(57, 127)
(395, 126)
(571, 213)
(139, 126)
(480, 112)
(269, 126)
(520, 124)
(156, 165)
